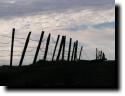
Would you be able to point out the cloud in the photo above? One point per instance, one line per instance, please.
(93, 27)
(11, 8)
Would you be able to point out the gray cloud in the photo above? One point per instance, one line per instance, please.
(92, 24)
(75, 27)
(26, 7)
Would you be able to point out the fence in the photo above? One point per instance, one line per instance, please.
(63, 53)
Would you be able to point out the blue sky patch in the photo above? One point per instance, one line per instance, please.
(105, 25)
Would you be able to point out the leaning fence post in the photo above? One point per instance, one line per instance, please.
(75, 54)
(101, 55)
(73, 51)
(24, 50)
(12, 45)
(80, 52)
(55, 46)
(96, 54)
(63, 51)
(61, 44)
(70, 42)
(46, 49)
(38, 47)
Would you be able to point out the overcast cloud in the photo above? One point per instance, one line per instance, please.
(26, 7)
(92, 22)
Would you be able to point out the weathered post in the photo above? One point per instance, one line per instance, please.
(80, 52)
(38, 47)
(75, 53)
(55, 46)
(24, 50)
(101, 55)
(46, 49)
(96, 54)
(12, 45)
(70, 42)
(72, 57)
(61, 45)
(63, 51)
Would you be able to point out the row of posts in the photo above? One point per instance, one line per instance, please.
(71, 57)
(100, 55)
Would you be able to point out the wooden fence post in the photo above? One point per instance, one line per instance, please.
(24, 50)
(80, 52)
(75, 54)
(63, 51)
(101, 54)
(38, 47)
(55, 46)
(12, 45)
(46, 49)
(96, 54)
(70, 42)
(72, 57)
(61, 45)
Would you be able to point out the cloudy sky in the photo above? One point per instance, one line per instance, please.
(91, 22)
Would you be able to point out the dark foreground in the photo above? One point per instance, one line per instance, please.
(81, 74)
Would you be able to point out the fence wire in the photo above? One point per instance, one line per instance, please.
(32, 46)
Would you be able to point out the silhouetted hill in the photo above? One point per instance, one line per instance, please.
(62, 74)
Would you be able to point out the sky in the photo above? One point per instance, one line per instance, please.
(91, 22)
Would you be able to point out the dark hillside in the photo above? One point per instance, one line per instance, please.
(45, 74)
